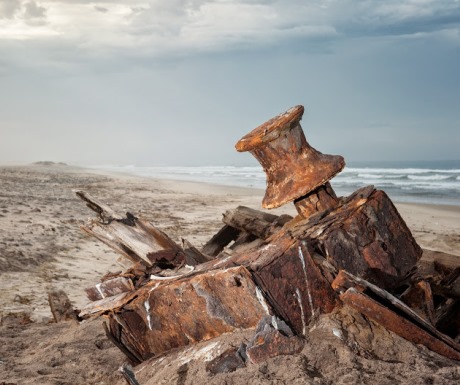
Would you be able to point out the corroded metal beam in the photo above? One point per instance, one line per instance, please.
(395, 315)
(166, 315)
(295, 286)
(397, 324)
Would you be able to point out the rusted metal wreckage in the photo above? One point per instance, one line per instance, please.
(268, 270)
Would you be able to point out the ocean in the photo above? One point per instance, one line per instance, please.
(435, 182)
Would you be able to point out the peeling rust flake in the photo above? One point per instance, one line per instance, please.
(194, 309)
(295, 286)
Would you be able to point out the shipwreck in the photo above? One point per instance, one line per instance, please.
(272, 275)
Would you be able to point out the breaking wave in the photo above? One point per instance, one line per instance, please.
(418, 185)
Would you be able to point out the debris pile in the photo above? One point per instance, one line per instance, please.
(273, 275)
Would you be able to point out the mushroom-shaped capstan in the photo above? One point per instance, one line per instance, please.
(293, 167)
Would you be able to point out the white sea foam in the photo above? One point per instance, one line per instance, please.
(429, 177)
(423, 185)
(401, 170)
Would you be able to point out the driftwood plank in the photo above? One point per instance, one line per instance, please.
(106, 304)
(109, 288)
(193, 256)
(127, 371)
(221, 239)
(105, 213)
(255, 222)
(61, 307)
(132, 237)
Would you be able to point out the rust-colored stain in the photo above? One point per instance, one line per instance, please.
(367, 237)
(295, 286)
(272, 344)
(397, 324)
(293, 168)
(169, 315)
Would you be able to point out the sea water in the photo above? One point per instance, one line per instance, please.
(435, 182)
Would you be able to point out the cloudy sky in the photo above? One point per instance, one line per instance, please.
(180, 81)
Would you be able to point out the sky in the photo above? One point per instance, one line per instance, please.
(179, 82)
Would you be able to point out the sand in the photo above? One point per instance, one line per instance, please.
(42, 248)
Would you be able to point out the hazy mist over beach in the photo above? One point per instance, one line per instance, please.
(179, 82)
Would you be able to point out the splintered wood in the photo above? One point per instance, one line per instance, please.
(351, 251)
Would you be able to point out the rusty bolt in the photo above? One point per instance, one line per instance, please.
(295, 170)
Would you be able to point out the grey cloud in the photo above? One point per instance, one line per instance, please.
(101, 9)
(165, 28)
(88, 1)
(34, 14)
(182, 28)
(364, 17)
(160, 18)
(248, 23)
(33, 10)
(138, 9)
(399, 18)
(8, 8)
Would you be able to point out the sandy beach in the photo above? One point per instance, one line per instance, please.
(42, 248)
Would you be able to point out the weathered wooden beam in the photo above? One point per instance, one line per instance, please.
(244, 240)
(109, 288)
(193, 256)
(128, 374)
(221, 239)
(106, 304)
(255, 222)
(61, 307)
(131, 237)
(106, 214)
(254, 228)
(419, 298)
